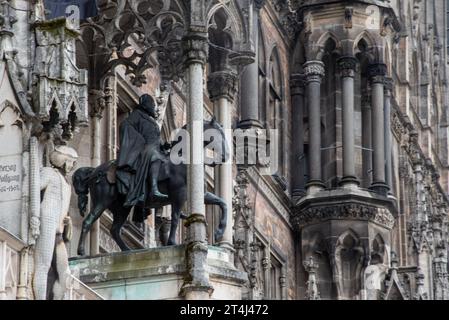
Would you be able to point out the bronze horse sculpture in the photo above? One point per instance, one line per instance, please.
(172, 181)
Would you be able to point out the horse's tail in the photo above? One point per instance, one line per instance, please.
(80, 181)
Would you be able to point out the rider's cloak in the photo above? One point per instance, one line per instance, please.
(140, 146)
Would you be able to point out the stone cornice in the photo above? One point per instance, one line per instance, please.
(339, 205)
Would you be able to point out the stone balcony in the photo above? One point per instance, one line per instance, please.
(155, 274)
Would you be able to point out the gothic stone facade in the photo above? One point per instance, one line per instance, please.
(357, 92)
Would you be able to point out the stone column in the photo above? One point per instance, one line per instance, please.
(388, 88)
(367, 153)
(22, 285)
(35, 190)
(110, 96)
(196, 285)
(249, 117)
(347, 67)
(98, 104)
(266, 265)
(377, 74)
(314, 71)
(222, 87)
(297, 84)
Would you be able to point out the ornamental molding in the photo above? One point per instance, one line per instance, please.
(350, 211)
(347, 66)
(314, 71)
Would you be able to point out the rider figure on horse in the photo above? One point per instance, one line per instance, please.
(141, 155)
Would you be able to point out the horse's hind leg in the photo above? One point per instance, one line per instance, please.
(120, 215)
(212, 199)
(87, 224)
(175, 215)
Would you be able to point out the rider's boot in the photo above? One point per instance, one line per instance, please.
(155, 193)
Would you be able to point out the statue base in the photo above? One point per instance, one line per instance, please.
(156, 274)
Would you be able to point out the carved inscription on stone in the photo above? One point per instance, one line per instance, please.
(11, 148)
(10, 178)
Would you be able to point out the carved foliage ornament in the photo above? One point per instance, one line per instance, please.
(312, 215)
(314, 71)
(347, 66)
(222, 85)
(377, 72)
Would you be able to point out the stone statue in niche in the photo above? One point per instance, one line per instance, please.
(372, 282)
(53, 227)
(143, 159)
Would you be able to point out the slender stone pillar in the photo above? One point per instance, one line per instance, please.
(377, 74)
(222, 87)
(387, 114)
(22, 284)
(367, 145)
(98, 104)
(35, 190)
(250, 78)
(314, 71)
(196, 284)
(110, 96)
(297, 84)
(347, 67)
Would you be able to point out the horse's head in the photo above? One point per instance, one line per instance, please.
(215, 140)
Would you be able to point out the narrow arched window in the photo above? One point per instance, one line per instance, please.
(275, 113)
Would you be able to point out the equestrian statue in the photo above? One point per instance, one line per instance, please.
(143, 177)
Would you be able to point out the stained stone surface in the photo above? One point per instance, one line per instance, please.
(10, 161)
(154, 274)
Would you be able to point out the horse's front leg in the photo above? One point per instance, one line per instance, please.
(212, 199)
(93, 216)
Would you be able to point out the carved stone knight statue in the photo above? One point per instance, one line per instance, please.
(52, 225)
(140, 155)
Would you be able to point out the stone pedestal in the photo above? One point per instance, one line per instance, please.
(156, 274)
